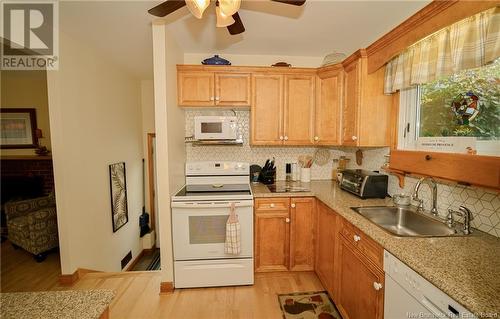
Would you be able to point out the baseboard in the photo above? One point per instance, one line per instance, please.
(166, 287)
(135, 261)
(71, 279)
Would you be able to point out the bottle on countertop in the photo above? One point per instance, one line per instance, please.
(288, 171)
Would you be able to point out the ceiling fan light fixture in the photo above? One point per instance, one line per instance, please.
(229, 7)
(197, 7)
(223, 20)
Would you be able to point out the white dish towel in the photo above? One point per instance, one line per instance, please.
(233, 233)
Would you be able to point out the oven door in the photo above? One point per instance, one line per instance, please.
(199, 229)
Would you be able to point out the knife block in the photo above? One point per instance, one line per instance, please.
(267, 176)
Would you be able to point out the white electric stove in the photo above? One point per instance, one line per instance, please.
(199, 214)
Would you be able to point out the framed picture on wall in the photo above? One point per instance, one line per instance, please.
(18, 128)
(118, 186)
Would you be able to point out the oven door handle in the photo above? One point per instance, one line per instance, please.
(211, 204)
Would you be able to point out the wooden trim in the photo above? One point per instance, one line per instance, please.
(166, 287)
(244, 69)
(483, 171)
(69, 280)
(134, 262)
(151, 181)
(353, 58)
(329, 71)
(433, 17)
(26, 158)
(105, 314)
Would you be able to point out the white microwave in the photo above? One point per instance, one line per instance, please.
(215, 127)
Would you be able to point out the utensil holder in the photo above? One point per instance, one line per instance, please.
(305, 174)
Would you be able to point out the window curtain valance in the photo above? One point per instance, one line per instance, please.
(469, 43)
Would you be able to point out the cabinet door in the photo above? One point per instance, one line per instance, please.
(357, 297)
(326, 237)
(328, 109)
(299, 110)
(302, 225)
(272, 240)
(195, 88)
(267, 110)
(232, 89)
(350, 107)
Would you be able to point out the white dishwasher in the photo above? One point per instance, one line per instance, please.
(409, 295)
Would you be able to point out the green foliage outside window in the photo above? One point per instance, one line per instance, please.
(437, 117)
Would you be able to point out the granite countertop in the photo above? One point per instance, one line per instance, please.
(467, 268)
(82, 304)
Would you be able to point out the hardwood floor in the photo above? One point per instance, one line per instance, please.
(137, 296)
(137, 292)
(20, 272)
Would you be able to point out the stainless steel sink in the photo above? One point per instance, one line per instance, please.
(405, 222)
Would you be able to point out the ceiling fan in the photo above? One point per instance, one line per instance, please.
(225, 10)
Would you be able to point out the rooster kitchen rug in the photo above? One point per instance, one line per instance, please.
(308, 305)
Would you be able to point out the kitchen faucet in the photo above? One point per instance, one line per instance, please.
(465, 213)
(433, 186)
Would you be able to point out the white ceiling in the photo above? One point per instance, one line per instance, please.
(122, 29)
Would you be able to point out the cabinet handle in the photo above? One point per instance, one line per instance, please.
(286, 138)
(281, 138)
(212, 98)
(287, 220)
(293, 205)
(217, 98)
(354, 137)
(316, 138)
(356, 238)
(377, 285)
(271, 205)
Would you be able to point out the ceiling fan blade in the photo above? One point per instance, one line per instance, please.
(292, 2)
(167, 7)
(237, 27)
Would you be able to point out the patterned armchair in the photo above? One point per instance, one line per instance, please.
(32, 225)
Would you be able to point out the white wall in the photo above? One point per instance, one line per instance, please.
(95, 119)
(256, 60)
(170, 147)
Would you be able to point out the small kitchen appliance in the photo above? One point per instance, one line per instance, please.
(215, 128)
(364, 183)
(200, 211)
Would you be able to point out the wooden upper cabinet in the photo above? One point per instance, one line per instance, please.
(299, 110)
(329, 90)
(366, 111)
(195, 88)
(352, 102)
(326, 241)
(272, 234)
(267, 110)
(232, 89)
(360, 292)
(211, 88)
(302, 226)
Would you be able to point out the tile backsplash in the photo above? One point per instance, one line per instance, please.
(484, 203)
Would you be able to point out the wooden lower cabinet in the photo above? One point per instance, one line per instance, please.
(284, 234)
(272, 240)
(326, 238)
(302, 225)
(360, 285)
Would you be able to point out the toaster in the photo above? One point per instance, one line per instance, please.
(363, 183)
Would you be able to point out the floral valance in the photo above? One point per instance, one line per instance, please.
(467, 44)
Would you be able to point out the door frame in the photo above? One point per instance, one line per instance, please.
(151, 181)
